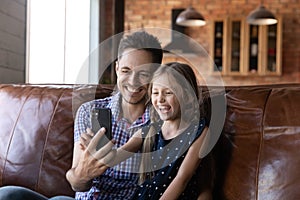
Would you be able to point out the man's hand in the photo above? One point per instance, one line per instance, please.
(85, 138)
(89, 162)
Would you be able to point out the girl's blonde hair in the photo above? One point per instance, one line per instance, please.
(187, 94)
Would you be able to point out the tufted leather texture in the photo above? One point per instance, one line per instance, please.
(36, 131)
(256, 157)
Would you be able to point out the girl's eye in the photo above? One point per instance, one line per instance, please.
(169, 92)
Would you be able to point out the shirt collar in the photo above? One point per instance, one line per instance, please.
(115, 106)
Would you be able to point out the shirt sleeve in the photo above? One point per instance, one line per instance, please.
(82, 120)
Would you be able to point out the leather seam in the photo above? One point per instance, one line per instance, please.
(46, 139)
(11, 133)
(261, 142)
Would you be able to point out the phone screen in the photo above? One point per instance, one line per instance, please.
(101, 117)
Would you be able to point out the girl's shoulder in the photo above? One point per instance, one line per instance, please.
(156, 125)
(198, 127)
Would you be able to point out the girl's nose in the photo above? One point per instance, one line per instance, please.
(161, 98)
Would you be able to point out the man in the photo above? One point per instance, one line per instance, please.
(139, 55)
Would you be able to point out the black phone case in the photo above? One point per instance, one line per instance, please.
(101, 117)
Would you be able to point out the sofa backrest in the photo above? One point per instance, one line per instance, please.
(258, 151)
(36, 131)
(256, 154)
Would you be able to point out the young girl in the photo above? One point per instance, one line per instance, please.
(171, 144)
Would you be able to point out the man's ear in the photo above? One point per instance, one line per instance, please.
(116, 65)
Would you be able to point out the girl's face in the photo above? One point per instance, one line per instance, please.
(164, 99)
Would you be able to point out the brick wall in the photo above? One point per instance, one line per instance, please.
(157, 13)
(12, 41)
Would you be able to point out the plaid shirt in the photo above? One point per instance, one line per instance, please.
(117, 182)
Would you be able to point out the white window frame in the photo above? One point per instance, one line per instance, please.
(60, 36)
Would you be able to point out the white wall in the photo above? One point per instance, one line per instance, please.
(58, 38)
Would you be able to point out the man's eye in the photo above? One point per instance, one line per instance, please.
(125, 71)
(145, 75)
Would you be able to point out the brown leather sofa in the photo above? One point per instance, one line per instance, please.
(256, 156)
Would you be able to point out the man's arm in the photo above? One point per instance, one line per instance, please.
(186, 170)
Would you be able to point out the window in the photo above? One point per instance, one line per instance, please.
(59, 40)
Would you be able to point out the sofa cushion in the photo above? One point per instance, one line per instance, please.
(257, 154)
(36, 131)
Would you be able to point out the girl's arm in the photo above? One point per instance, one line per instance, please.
(186, 170)
(128, 149)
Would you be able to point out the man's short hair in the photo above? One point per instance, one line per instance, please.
(144, 41)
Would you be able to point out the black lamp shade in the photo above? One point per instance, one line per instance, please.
(261, 16)
(190, 17)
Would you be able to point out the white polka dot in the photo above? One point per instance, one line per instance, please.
(188, 133)
(176, 149)
(156, 188)
(162, 172)
(181, 141)
(168, 157)
(164, 185)
(170, 177)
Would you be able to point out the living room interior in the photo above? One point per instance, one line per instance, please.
(113, 17)
(255, 108)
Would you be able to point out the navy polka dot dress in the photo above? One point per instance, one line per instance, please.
(167, 156)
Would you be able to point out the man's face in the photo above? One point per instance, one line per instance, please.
(134, 71)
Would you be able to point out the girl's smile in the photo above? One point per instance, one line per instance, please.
(164, 100)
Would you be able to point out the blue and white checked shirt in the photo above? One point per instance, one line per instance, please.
(117, 182)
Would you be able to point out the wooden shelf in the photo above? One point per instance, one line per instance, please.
(246, 49)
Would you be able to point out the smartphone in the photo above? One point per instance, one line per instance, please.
(101, 117)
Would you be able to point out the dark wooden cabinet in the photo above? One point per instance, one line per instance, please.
(239, 48)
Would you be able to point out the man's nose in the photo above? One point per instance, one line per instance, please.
(134, 79)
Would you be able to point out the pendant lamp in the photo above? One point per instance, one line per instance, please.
(261, 16)
(190, 17)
